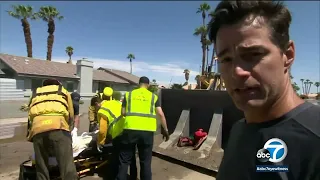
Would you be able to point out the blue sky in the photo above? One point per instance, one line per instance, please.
(158, 33)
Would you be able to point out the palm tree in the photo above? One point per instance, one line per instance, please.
(154, 81)
(202, 31)
(302, 82)
(130, 57)
(309, 83)
(69, 51)
(213, 57)
(306, 86)
(208, 43)
(203, 9)
(317, 84)
(186, 74)
(23, 13)
(49, 14)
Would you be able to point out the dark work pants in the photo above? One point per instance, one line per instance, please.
(144, 142)
(59, 144)
(113, 169)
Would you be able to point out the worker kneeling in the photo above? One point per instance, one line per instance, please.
(95, 105)
(111, 125)
(48, 128)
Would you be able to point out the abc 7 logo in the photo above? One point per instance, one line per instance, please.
(277, 154)
(263, 155)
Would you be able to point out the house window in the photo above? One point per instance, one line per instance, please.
(70, 86)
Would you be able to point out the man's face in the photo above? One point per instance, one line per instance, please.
(253, 68)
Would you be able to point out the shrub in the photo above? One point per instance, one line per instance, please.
(318, 96)
(24, 108)
(302, 96)
(153, 89)
(81, 102)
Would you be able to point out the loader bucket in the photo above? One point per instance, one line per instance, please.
(188, 110)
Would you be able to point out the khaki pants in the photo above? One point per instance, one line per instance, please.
(59, 144)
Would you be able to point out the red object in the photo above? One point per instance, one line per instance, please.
(185, 141)
(199, 134)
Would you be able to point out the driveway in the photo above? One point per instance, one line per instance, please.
(13, 152)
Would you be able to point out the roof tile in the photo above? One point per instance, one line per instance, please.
(123, 74)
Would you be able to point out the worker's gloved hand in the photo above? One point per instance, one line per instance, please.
(93, 126)
(165, 134)
(99, 147)
(74, 132)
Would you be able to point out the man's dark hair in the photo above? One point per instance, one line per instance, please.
(75, 96)
(49, 82)
(144, 80)
(95, 100)
(274, 13)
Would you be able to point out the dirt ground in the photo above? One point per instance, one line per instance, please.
(15, 151)
(13, 154)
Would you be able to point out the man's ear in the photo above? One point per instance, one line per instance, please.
(290, 55)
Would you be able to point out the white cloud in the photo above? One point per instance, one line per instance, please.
(167, 69)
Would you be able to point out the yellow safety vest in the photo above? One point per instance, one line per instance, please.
(112, 110)
(48, 110)
(50, 99)
(140, 110)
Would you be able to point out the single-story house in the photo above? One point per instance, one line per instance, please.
(20, 75)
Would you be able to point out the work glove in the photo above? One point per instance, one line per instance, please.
(99, 148)
(165, 134)
(74, 132)
(93, 126)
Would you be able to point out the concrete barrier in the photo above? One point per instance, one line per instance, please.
(186, 112)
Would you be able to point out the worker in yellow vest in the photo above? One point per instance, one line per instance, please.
(50, 113)
(140, 108)
(94, 107)
(111, 124)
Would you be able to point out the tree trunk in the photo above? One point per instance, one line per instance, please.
(50, 41)
(130, 66)
(203, 18)
(207, 60)
(70, 61)
(212, 59)
(203, 58)
(27, 36)
(306, 88)
(309, 88)
(186, 76)
(302, 87)
(317, 89)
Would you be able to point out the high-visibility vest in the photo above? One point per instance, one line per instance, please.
(112, 110)
(50, 99)
(140, 110)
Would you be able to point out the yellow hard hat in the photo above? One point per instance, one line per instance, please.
(108, 91)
